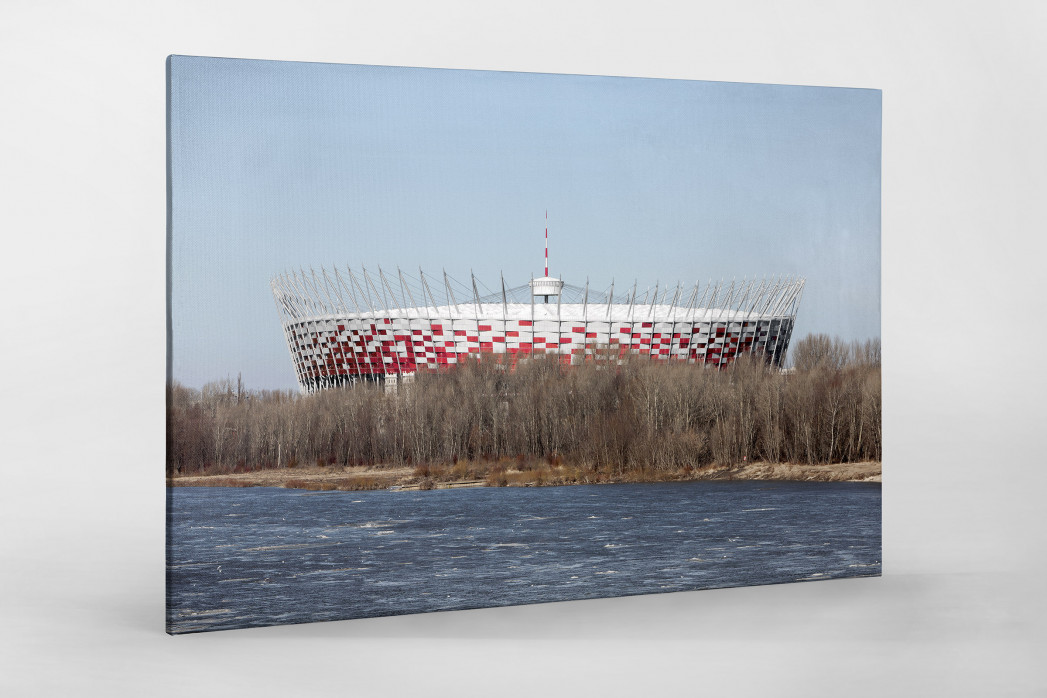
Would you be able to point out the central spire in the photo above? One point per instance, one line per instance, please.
(546, 286)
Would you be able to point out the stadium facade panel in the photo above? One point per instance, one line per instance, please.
(344, 326)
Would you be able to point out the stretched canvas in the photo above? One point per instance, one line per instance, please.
(450, 339)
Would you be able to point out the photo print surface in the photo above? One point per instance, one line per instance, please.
(451, 339)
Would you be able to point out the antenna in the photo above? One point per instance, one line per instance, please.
(547, 242)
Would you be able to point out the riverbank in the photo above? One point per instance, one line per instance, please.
(356, 478)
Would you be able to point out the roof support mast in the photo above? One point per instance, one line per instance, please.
(547, 256)
(546, 286)
(547, 247)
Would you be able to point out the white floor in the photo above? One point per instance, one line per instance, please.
(920, 634)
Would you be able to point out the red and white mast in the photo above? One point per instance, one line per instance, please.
(547, 242)
(546, 286)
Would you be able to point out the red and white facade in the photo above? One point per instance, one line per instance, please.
(344, 325)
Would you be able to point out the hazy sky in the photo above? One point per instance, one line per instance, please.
(277, 165)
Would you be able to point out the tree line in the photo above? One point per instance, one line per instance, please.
(637, 416)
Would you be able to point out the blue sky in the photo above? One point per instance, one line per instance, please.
(277, 165)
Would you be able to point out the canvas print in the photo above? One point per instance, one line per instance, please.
(450, 339)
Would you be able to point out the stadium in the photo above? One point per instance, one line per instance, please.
(344, 326)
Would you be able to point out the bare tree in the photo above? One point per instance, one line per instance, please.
(609, 412)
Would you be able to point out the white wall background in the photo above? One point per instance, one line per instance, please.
(82, 201)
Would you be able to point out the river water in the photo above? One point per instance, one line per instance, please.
(250, 557)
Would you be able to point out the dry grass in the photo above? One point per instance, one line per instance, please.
(351, 484)
(525, 473)
(214, 482)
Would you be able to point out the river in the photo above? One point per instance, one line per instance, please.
(246, 557)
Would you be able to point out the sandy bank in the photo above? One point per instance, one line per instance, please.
(355, 478)
(867, 471)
